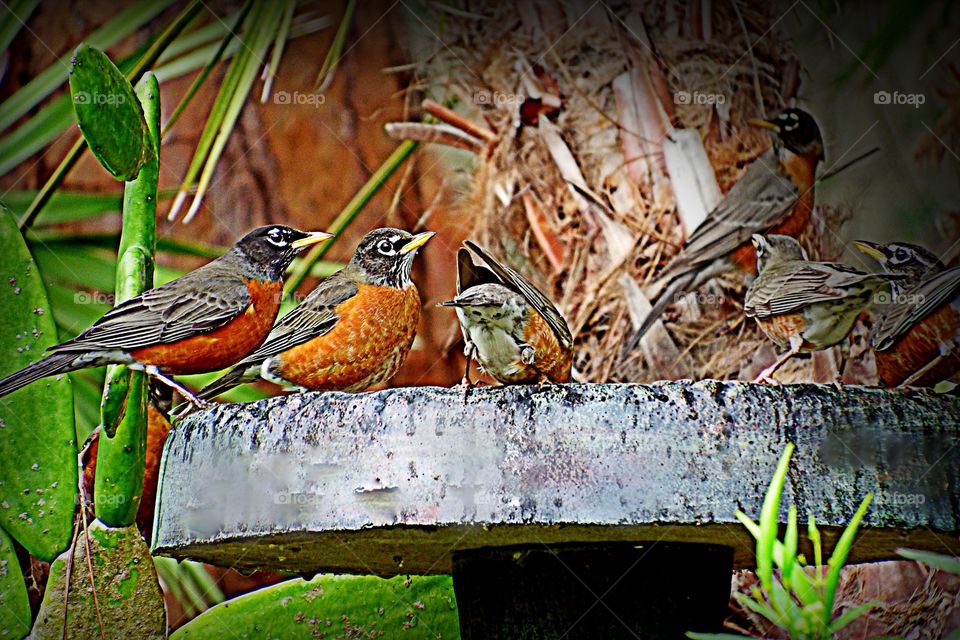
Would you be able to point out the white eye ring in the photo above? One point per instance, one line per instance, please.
(386, 248)
(274, 238)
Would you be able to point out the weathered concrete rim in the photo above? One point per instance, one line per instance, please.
(417, 473)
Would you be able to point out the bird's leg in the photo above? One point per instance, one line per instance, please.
(796, 342)
(945, 350)
(196, 402)
(469, 351)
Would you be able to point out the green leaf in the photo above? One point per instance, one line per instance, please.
(769, 521)
(839, 557)
(66, 206)
(14, 18)
(38, 449)
(122, 452)
(714, 636)
(850, 615)
(109, 114)
(950, 564)
(411, 607)
(128, 593)
(78, 267)
(15, 611)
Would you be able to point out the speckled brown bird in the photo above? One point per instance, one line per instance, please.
(916, 339)
(515, 333)
(351, 332)
(774, 196)
(203, 321)
(801, 305)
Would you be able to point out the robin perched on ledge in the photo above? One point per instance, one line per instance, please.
(353, 331)
(916, 340)
(801, 305)
(515, 333)
(203, 321)
(774, 196)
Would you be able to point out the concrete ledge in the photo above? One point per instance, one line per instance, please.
(395, 481)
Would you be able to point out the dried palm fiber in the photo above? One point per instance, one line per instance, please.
(572, 186)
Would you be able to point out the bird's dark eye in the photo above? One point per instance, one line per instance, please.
(275, 237)
(386, 248)
(901, 255)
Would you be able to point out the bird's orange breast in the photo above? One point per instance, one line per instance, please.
(781, 328)
(802, 173)
(225, 345)
(552, 361)
(366, 346)
(920, 346)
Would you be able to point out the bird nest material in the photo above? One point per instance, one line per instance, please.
(571, 185)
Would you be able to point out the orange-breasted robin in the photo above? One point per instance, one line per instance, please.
(916, 341)
(515, 333)
(203, 321)
(774, 196)
(353, 331)
(801, 305)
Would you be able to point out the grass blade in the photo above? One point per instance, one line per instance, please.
(278, 45)
(329, 67)
(13, 19)
(769, 520)
(950, 564)
(839, 557)
(248, 63)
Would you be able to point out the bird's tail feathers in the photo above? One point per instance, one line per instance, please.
(51, 365)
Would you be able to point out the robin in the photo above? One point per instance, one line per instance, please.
(203, 321)
(509, 326)
(805, 306)
(774, 196)
(353, 331)
(915, 341)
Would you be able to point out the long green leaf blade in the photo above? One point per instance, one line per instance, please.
(839, 557)
(14, 18)
(950, 564)
(48, 80)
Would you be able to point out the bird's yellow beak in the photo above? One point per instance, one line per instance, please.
(764, 124)
(313, 238)
(416, 242)
(870, 249)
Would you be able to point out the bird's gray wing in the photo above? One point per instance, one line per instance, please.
(920, 302)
